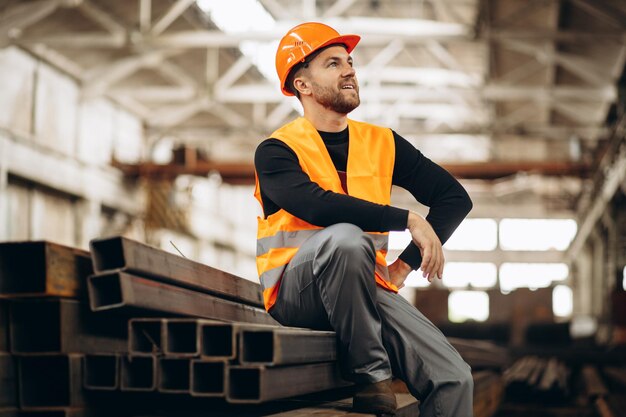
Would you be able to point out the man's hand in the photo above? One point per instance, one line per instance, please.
(398, 271)
(430, 246)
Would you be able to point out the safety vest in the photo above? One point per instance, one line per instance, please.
(369, 172)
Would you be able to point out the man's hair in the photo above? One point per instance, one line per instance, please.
(291, 77)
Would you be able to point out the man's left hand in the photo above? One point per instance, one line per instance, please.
(398, 271)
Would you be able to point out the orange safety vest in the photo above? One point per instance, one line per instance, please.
(371, 156)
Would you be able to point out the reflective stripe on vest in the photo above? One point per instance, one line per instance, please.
(297, 238)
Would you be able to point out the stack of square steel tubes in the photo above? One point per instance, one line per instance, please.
(82, 333)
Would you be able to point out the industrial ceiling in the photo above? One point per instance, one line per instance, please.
(488, 88)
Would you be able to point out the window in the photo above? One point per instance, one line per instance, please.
(416, 280)
(477, 274)
(474, 234)
(468, 305)
(624, 278)
(399, 240)
(562, 301)
(533, 276)
(536, 234)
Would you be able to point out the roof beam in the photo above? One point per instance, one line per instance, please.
(584, 68)
(18, 17)
(595, 9)
(99, 79)
(266, 92)
(236, 70)
(219, 39)
(145, 15)
(170, 16)
(102, 18)
(338, 8)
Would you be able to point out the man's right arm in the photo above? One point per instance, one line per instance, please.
(283, 181)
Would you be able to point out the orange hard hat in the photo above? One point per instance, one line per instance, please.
(301, 41)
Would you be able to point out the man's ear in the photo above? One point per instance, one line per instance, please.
(303, 86)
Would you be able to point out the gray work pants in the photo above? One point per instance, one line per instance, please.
(329, 285)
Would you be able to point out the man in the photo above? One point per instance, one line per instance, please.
(324, 182)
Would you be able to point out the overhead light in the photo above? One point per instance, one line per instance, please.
(246, 16)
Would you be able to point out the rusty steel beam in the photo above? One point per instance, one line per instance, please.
(145, 336)
(174, 375)
(208, 378)
(257, 384)
(8, 381)
(121, 290)
(50, 381)
(121, 254)
(30, 269)
(64, 326)
(101, 372)
(286, 346)
(138, 373)
(243, 173)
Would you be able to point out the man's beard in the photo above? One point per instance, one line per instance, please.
(336, 100)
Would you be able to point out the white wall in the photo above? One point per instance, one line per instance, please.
(55, 153)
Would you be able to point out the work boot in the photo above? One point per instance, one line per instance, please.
(377, 398)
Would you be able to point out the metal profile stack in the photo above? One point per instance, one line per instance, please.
(66, 354)
(241, 362)
(136, 277)
(46, 327)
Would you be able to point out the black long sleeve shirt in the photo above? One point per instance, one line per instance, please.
(284, 185)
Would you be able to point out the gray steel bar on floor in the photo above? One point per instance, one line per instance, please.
(138, 373)
(118, 253)
(64, 326)
(145, 336)
(43, 269)
(283, 346)
(121, 290)
(208, 378)
(101, 372)
(174, 375)
(50, 381)
(258, 384)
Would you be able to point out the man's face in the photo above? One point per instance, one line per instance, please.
(333, 80)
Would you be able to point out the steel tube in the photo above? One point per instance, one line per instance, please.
(181, 337)
(43, 268)
(282, 346)
(220, 340)
(208, 378)
(64, 326)
(174, 375)
(121, 290)
(101, 372)
(118, 253)
(145, 336)
(138, 373)
(50, 381)
(8, 381)
(258, 384)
